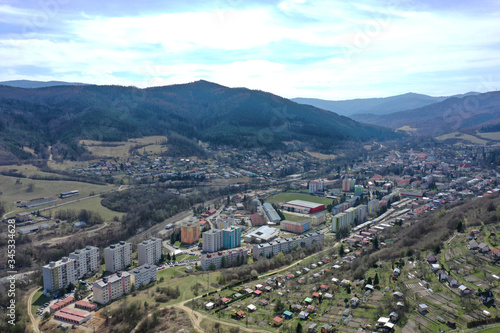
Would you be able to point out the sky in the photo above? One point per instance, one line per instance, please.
(332, 50)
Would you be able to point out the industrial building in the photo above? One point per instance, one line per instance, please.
(262, 234)
(302, 206)
(296, 227)
(271, 213)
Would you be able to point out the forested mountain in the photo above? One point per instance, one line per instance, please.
(376, 106)
(472, 112)
(38, 84)
(61, 115)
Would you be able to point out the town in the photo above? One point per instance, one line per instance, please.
(337, 220)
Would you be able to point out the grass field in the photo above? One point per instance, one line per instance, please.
(38, 300)
(462, 136)
(93, 204)
(322, 156)
(292, 217)
(287, 196)
(13, 192)
(176, 277)
(121, 149)
(495, 136)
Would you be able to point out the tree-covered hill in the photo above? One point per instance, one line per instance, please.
(59, 116)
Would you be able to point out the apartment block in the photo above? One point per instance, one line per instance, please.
(59, 274)
(287, 244)
(231, 237)
(143, 275)
(212, 240)
(149, 251)
(87, 260)
(111, 287)
(190, 232)
(118, 256)
(232, 257)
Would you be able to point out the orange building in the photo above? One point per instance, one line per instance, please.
(190, 232)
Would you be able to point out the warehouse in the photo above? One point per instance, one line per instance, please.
(304, 207)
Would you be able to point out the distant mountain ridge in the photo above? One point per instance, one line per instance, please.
(376, 106)
(59, 116)
(470, 112)
(39, 84)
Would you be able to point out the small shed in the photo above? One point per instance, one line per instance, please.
(423, 308)
(303, 315)
(251, 307)
(277, 321)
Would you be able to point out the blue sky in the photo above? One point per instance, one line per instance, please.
(293, 48)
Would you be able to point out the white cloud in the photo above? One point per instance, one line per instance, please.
(326, 49)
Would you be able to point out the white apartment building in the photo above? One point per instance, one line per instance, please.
(118, 256)
(59, 274)
(212, 240)
(111, 287)
(149, 251)
(233, 257)
(87, 260)
(287, 244)
(143, 275)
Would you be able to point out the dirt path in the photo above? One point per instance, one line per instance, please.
(34, 323)
(54, 241)
(196, 319)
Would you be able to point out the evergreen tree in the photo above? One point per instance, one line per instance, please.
(299, 328)
(376, 280)
(369, 281)
(375, 243)
(341, 249)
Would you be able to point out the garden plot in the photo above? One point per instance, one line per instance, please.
(418, 288)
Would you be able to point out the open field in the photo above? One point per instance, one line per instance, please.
(293, 217)
(176, 277)
(152, 145)
(495, 136)
(322, 156)
(17, 189)
(38, 300)
(287, 196)
(462, 136)
(406, 128)
(92, 204)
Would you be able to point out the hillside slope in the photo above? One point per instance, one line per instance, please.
(59, 116)
(453, 114)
